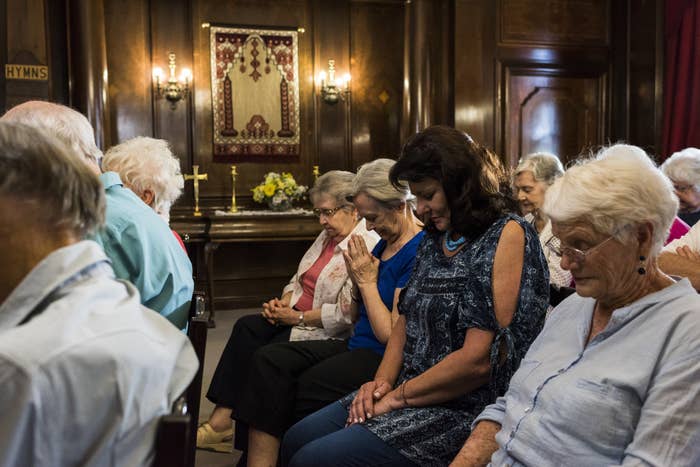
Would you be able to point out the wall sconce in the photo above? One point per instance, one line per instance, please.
(174, 89)
(332, 89)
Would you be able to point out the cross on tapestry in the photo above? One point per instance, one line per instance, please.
(255, 93)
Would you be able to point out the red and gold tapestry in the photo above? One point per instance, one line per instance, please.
(255, 93)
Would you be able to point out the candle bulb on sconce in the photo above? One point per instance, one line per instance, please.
(316, 173)
(174, 89)
(333, 89)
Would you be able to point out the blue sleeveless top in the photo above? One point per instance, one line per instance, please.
(393, 274)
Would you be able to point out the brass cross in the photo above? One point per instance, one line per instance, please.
(196, 177)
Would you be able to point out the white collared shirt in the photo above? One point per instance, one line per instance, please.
(85, 379)
(628, 397)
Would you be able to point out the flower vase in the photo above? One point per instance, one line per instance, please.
(279, 207)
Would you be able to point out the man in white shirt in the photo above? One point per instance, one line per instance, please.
(85, 369)
(681, 257)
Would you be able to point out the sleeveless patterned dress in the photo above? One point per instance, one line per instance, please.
(444, 297)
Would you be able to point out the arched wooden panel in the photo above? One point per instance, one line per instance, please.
(545, 112)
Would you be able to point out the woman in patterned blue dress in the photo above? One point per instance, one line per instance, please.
(475, 302)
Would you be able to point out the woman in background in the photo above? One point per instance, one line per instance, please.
(534, 174)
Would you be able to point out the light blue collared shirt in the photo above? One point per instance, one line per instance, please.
(144, 251)
(85, 369)
(629, 397)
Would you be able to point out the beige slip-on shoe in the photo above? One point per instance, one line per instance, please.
(219, 441)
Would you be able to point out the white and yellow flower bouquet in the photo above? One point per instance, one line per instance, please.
(278, 191)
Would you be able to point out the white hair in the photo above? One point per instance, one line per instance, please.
(66, 124)
(372, 179)
(147, 164)
(545, 167)
(684, 166)
(618, 189)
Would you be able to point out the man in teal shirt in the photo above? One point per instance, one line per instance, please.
(138, 242)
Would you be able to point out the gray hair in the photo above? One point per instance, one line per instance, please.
(545, 167)
(336, 184)
(147, 164)
(615, 191)
(372, 179)
(68, 125)
(42, 170)
(684, 166)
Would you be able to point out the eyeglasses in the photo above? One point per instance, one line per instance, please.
(574, 254)
(683, 188)
(327, 213)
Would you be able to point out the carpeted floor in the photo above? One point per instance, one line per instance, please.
(216, 340)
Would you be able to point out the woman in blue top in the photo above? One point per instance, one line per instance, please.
(290, 380)
(475, 301)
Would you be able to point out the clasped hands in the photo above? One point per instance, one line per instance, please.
(278, 312)
(373, 399)
(363, 267)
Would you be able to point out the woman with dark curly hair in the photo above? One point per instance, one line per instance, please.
(474, 303)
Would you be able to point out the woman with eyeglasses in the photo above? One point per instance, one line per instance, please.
(532, 177)
(474, 303)
(612, 378)
(288, 381)
(316, 304)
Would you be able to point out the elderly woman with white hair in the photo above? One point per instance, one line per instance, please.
(316, 304)
(683, 168)
(147, 167)
(612, 378)
(532, 177)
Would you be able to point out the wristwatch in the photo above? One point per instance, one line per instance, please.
(301, 319)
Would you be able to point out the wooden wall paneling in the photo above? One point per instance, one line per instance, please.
(332, 41)
(554, 22)
(216, 192)
(546, 110)
(644, 76)
(246, 278)
(376, 49)
(87, 58)
(170, 31)
(57, 33)
(26, 44)
(127, 31)
(619, 71)
(474, 62)
(428, 66)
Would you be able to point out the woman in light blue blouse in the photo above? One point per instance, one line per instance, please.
(613, 377)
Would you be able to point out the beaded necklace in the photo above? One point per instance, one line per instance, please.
(452, 245)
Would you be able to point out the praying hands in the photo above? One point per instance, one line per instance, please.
(363, 268)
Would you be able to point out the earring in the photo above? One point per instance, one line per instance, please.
(641, 269)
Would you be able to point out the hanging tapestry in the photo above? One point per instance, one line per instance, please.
(255, 93)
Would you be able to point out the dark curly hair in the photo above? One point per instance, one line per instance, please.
(473, 178)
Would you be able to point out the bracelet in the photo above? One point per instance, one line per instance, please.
(403, 393)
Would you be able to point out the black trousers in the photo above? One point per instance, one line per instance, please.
(288, 381)
(249, 334)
